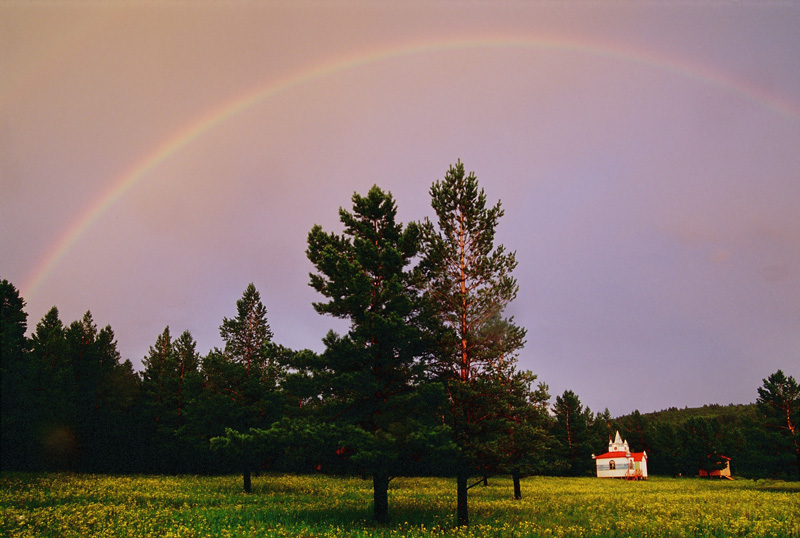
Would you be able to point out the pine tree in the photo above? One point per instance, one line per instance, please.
(248, 334)
(157, 367)
(244, 377)
(13, 324)
(55, 409)
(188, 378)
(779, 403)
(602, 431)
(16, 381)
(525, 439)
(161, 384)
(99, 374)
(572, 434)
(701, 440)
(369, 376)
(468, 283)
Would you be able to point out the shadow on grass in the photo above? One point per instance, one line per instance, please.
(272, 505)
(301, 516)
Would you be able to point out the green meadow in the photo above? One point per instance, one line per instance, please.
(77, 505)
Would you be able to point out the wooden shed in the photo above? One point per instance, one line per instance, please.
(725, 472)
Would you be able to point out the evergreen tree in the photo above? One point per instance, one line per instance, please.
(157, 366)
(56, 416)
(602, 431)
(779, 403)
(665, 456)
(369, 378)
(161, 384)
(186, 388)
(101, 416)
(217, 406)
(571, 432)
(524, 443)
(468, 283)
(636, 430)
(242, 379)
(13, 324)
(188, 378)
(248, 334)
(701, 440)
(16, 381)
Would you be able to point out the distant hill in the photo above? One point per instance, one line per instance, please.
(673, 415)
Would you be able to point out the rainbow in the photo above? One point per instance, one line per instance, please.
(183, 137)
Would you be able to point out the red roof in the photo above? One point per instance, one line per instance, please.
(609, 455)
(637, 456)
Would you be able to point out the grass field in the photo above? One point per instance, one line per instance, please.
(66, 505)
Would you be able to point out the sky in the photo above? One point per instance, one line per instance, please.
(156, 157)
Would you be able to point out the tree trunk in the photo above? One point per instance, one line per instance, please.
(485, 480)
(462, 510)
(246, 479)
(797, 452)
(517, 488)
(380, 498)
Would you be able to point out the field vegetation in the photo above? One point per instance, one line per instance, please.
(79, 505)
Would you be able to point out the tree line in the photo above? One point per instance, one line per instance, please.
(425, 380)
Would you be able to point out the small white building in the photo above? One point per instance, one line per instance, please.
(620, 462)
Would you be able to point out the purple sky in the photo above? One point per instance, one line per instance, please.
(647, 155)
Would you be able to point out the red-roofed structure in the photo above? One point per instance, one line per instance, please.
(620, 462)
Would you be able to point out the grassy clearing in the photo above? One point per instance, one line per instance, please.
(66, 505)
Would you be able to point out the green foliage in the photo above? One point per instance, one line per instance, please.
(468, 278)
(248, 334)
(17, 387)
(171, 382)
(572, 434)
(13, 324)
(677, 416)
(368, 379)
(701, 446)
(684, 441)
(241, 390)
(779, 403)
(468, 283)
(67, 397)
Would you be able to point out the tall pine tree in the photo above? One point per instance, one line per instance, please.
(468, 284)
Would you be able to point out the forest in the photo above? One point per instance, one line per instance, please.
(424, 383)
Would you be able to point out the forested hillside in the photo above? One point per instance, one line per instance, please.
(681, 441)
(723, 412)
